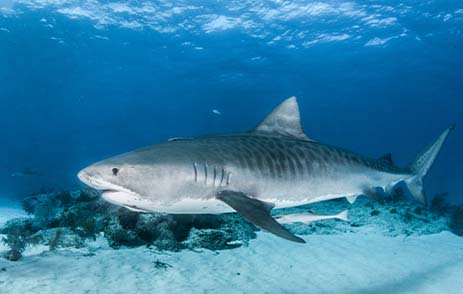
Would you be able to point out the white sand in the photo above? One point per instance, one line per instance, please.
(365, 262)
(7, 213)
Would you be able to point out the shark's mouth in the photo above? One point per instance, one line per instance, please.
(113, 193)
(124, 197)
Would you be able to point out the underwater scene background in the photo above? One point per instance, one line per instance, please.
(81, 81)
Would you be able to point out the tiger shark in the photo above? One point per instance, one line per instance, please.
(274, 165)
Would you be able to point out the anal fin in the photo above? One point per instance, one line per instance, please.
(352, 199)
(256, 212)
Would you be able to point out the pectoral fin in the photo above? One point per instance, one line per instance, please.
(256, 212)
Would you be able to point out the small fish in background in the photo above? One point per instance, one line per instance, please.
(216, 112)
(27, 172)
(308, 218)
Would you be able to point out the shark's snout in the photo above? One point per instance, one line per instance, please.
(94, 177)
(91, 177)
(84, 177)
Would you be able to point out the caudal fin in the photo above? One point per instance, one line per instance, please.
(344, 216)
(423, 163)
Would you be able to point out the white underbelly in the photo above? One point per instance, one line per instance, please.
(194, 206)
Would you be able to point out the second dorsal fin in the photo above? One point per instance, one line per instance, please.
(284, 120)
(387, 158)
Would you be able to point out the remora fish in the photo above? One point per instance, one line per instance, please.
(307, 218)
(273, 165)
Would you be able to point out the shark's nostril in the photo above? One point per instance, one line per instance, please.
(84, 177)
(115, 171)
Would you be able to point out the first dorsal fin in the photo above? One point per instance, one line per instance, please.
(284, 120)
(387, 158)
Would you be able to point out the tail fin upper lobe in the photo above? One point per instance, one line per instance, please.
(423, 163)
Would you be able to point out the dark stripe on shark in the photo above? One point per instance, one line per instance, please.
(275, 158)
(299, 170)
(269, 165)
(273, 164)
(271, 148)
(301, 160)
(256, 157)
(289, 160)
(247, 156)
(281, 161)
(259, 157)
(238, 154)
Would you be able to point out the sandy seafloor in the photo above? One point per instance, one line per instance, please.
(362, 262)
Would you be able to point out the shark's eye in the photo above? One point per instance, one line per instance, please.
(115, 171)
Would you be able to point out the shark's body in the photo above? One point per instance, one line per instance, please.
(286, 172)
(275, 165)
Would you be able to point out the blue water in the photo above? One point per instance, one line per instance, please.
(81, 81)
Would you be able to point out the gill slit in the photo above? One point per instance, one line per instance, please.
(223, 176)
(228, 178)
(215, 175)
(196, 172)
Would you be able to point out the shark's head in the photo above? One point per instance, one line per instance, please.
(113, 179)
(140, 180)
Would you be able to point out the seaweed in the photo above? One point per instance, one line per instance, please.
(18, 236)
(456, 221)
(161, 265)
(128, 219)
(440, 205)
(29, 203)
(375, 213)
(54, 241)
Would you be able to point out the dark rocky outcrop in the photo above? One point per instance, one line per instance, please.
(67, 219)
(19, 233)
(456, 221)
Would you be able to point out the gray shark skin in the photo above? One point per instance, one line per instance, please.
(273, 166)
